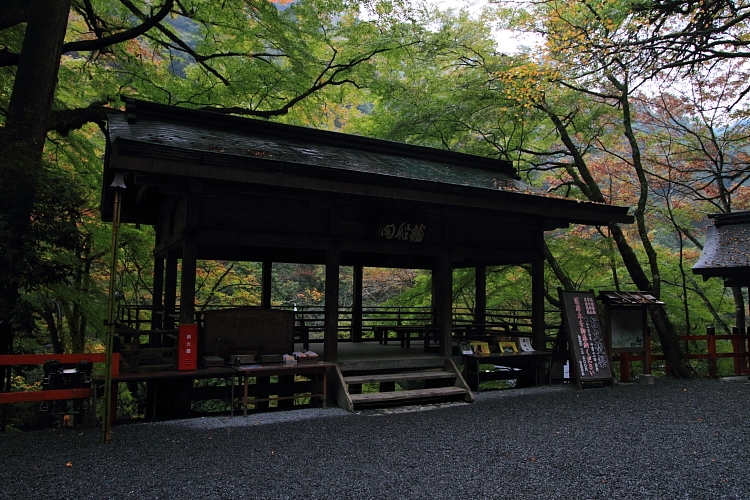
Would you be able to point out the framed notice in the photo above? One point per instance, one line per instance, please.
(508, 347)
(628, 325)
(588, 350)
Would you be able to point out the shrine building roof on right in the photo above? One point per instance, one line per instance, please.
(726, 253)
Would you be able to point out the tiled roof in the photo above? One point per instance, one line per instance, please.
(228, 148)
(726, 252)
(628, 298)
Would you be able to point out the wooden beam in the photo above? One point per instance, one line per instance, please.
(50, 395)
(40, 359)
(367, 251)
(270, 174)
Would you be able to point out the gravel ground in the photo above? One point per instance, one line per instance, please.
(672, 440)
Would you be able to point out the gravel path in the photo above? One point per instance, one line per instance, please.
(672, 440)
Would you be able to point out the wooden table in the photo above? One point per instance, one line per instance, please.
(526, 359)
(404, 334)
(314, 368)
(160, 376)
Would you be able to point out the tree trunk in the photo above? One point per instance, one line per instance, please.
(664, 327)
(560, 274)
(21, 144)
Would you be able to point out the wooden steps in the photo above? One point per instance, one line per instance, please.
(398, 377)
(440, 379)
(408, 395)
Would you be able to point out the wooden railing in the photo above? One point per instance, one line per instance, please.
(52, 394)
(704, 347)
(312, 318)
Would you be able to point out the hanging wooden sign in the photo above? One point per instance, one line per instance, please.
(400, 230)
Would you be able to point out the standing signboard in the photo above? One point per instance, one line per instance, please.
(588, 349)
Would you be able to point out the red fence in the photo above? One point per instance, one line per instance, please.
(704, 348)
(58, 394)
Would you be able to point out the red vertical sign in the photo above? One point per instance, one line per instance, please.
(187, 353)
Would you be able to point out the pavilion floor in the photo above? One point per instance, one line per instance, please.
(372, 355)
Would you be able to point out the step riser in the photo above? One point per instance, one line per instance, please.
(409, 395)
(399, 377)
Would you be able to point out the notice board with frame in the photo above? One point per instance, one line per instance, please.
(588, 349)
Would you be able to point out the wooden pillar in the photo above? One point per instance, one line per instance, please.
(187, 283)
(170, 290)
(357, 303)
(157, 301)
(189, 257)
(537, 302)
(331, 331)
(480, 297)
(443, 304)
(264, 383)
(265, 286)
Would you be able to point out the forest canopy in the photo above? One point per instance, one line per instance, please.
(637, 103)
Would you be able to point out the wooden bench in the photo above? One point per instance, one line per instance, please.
(404, 334)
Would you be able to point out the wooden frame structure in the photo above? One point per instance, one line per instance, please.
(222, 187)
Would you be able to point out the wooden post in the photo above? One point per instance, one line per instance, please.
(625, 366)
(443, 304)
(480, 299)
(265, 287)
(647, 352)
(109, 386)
(170, 290)
(189, 256)
(157, 302)
(736, 349)
(357, 303)
(711, 346)
(537, 302)
(331, 332)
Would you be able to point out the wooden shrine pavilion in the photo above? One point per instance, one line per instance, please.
(222, 187)
(726, 253)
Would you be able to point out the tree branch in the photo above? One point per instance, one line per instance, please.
(72, 119)
(11, 59)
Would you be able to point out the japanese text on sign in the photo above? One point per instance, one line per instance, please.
(593, 356)
(188, 343)
(585, 335)
(402, 232)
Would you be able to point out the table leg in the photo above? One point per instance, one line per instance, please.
(325, 388)
(244, 396)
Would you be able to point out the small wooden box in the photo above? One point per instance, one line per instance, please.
(242, 359)
(211, 361)
(270, 358)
